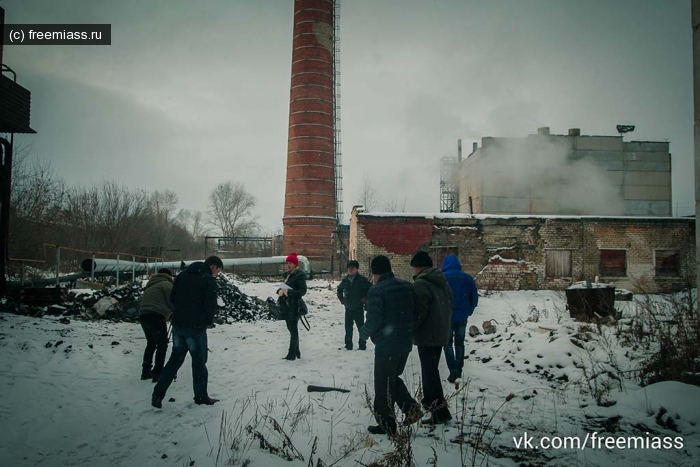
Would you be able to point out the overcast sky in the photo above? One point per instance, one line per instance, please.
(191, 94)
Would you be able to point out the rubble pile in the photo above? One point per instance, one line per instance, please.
(237, 306)
(122, 304)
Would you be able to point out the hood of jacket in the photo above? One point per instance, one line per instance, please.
(198, 267)
(451, 263)
(156, 278)
(432, 275)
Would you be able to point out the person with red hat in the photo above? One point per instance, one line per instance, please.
(290, 299)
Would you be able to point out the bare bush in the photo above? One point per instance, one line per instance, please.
(672, 325)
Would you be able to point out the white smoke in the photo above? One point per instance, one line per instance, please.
(540, 173)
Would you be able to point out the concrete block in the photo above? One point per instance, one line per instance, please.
(647, 156)
(647, 208)
(647, 193)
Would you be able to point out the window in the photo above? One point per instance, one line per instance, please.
(667, 263)
(613, 263)
(558, 263)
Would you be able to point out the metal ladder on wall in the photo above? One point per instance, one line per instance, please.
(336, 111)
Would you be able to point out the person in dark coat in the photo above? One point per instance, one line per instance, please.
(155, 310)
(194, 301)
(465, 297)
(390, 324)
(352, 292)
(290, 300)
(431, 331)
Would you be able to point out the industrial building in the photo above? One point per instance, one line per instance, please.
(573, 174)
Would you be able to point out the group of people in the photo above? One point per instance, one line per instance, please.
(190, 299)
(430, 313)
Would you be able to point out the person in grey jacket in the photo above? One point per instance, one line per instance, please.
(389, 325)
(431, 331)
(155, 310)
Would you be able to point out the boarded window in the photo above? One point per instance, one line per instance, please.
(613, 263)
(667, 263)
(558, 263)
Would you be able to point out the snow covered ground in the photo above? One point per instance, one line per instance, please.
(71, 395)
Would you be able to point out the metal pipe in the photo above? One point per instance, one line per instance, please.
(117, 271)
(5, 197)
(101, 265)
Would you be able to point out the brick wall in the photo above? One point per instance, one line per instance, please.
(509, 253)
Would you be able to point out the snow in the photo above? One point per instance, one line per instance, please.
(502, 259)
(71, 393)
(592, 285)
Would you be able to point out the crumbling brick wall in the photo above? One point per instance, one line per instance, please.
(509, 253)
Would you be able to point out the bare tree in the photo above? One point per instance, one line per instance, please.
(37, 192)
(162, 205)
(192, 222)
(109, 216)
(198, 228)
(230, 209)
(394, 205)
(368, 195)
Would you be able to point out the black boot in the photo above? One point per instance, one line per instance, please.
(298, 353)
(146, 373)
(291, 355)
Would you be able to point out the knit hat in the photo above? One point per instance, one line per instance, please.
(292, 258)
(165, 271)
(421, 260)
(380, 265)
(353, 264)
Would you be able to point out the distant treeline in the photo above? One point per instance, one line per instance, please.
(109, 217)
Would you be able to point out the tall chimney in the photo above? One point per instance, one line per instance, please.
(310, 195)
(459, 150)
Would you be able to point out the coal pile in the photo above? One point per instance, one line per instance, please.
(122, 304)
(237, 306)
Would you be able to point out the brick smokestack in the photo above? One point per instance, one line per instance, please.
(310, 195)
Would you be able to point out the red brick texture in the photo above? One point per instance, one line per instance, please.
(310, 204)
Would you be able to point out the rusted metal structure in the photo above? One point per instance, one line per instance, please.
(310, 195)
(15, 109)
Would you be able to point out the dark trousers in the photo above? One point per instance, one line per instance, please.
(156, 332)
(433, 397)
(455, 357)
(354, 317)
(293, 327)
(389, 389)
(186, 340)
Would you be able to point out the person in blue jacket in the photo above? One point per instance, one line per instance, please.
(465, 298)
